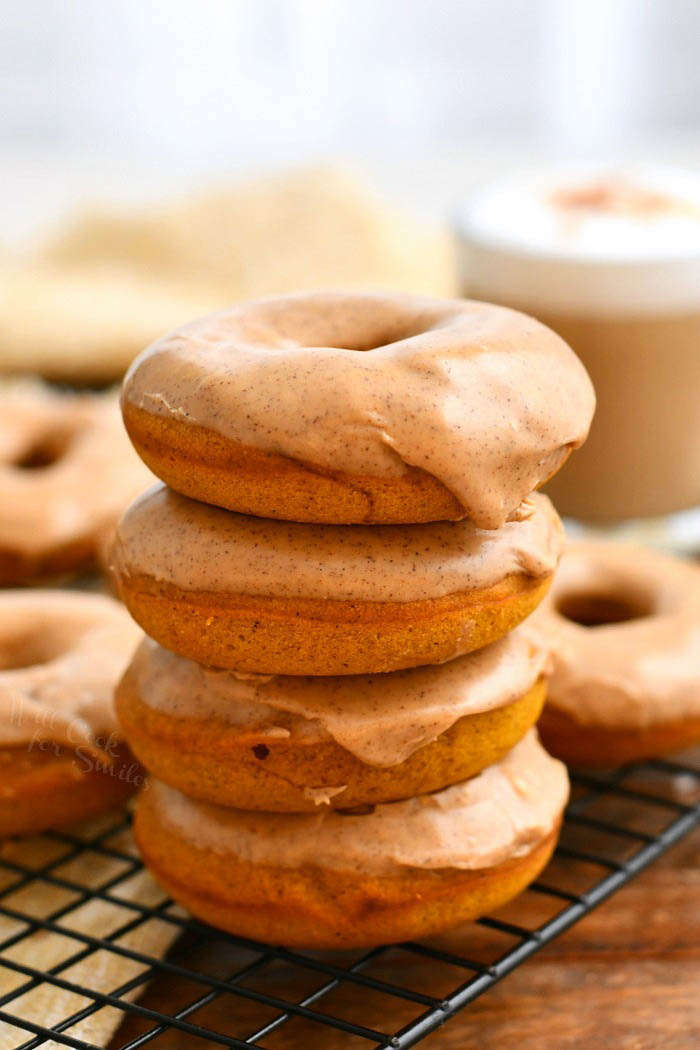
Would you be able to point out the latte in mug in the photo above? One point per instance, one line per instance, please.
(612, 263)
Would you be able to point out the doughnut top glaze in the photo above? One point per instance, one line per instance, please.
(634, 673)
(202, 548)
(500, 814)
(61, 655)
(66, 467)
(485, 399)
(382, 719)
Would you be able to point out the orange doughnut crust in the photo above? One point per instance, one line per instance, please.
(357, 408)
(66, 474)
(307, 636)
(281, 598)
(623, 625)
(250, 770)
(318, 908)
(290, 745)
(374, 884)
(215, 469)
(52, 788)
(580, 745)
(62, 758)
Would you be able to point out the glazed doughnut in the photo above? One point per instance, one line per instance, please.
(271, 597)
(623, 624)
(394, 872)
(358, 408)
(291, 744)
(62, 758)
(66, 474)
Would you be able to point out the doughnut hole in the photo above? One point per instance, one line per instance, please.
(47, 450)
(601, 608)
(370, 329)
(29, 648)
(385, 336)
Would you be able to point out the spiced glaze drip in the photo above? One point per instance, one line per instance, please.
(382, 718)
(487, 400)
(500, 814)
(201, 548)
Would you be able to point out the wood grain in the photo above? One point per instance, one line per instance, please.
(626, 978)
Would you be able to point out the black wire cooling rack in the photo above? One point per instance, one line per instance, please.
(212, 989)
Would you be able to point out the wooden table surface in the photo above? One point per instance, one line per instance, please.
(627, 977)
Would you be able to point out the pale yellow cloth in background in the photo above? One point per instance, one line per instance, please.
(110, 282)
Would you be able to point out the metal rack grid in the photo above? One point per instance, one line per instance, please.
(616, 824)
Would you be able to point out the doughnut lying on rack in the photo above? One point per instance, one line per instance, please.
(67, 472)
(62, 757)
(335, 701)
(623, 625)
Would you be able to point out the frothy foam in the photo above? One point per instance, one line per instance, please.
(623, 241)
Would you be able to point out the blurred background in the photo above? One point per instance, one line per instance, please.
(130, 96)
(161, 160)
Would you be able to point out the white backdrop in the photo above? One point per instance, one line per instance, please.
(208, 84)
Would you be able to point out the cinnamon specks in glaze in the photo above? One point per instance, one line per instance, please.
(201, 548)
(479, 823)
(483, 398)
(382, 719)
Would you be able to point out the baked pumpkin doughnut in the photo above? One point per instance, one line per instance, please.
(359, 408)
(332, 879)
(250, 594)
(62, 758)
(66, 474)
(623, 625)
(291, 744)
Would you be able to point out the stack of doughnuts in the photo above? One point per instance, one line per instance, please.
(335, 701)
